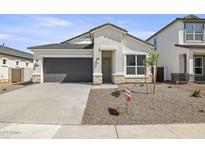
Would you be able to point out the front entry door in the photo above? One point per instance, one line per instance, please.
(16, 75)
(106, 69)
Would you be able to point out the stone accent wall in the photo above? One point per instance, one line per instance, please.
(186, 77)
(199, 78)
(179, 77)
(36, 78)
(97, 79)
(119, 79)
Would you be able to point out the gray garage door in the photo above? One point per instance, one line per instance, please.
(68, 69)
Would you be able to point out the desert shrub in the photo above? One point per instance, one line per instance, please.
(4, 89)
(179, 82)
(201, 111)
(141, 85)
(169, 86)
(116, 93)
(196, 93)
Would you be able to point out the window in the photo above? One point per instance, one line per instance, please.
(194, 31)
(4, 61)
(198, 65)
(17, 63)
(27, 64)
(134, 64)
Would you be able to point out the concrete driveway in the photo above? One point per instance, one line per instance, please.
(47, 103)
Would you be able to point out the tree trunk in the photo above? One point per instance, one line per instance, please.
(155, 77)
(145, 72)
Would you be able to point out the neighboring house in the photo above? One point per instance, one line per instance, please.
(181, 45)
(106, 53)
(15, 65)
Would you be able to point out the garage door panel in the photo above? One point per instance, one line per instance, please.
(68, 69)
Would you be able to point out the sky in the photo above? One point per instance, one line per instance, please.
(22, 31)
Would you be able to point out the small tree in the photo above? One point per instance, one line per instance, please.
(151, 62)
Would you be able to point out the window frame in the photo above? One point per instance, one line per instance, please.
(2, 59)
(136, 66)
(202, 72)
(194, 32)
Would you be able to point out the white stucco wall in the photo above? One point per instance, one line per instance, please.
(121, 44)
(11, 63)
(171, 57)
(39, 54)
(169, 53)
(112, 40)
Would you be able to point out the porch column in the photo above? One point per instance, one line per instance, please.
(97, 66)
(41, 65)
(190, 65)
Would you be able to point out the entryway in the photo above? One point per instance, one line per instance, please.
(107, 66)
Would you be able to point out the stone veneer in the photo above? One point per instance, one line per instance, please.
(36, 78)
(118, 79)
(97, 79)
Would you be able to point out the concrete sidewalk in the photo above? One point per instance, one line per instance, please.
(40, 131)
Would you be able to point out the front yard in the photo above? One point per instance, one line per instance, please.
(7, 87)
(170, 104)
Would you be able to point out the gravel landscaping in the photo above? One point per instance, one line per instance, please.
(7, 87)
(170, 104)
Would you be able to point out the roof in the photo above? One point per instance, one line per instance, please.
(83, 35)
(190, 46)
(187, 18)
(108, 24)
(63, 46)
(140, 40)
(66, 45)
(14, 52)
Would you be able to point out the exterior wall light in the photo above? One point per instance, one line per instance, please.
(97, 60)
(36, 63)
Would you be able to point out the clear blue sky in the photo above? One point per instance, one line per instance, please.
(22, 31)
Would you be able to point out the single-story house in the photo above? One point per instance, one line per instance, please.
(15, 65)
(106, 53)
(181, 45)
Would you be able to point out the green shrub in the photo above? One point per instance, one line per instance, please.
(116, 93)
(196, 93)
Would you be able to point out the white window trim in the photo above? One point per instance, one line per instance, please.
(125, 66)
(194, 40)
(199, 67)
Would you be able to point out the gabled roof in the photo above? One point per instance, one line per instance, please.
(63, 46)
(83, 35)
(188, 18)
(136, 38)
(87, 34)
(14, 52)
(67, 45)
(108, 24)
